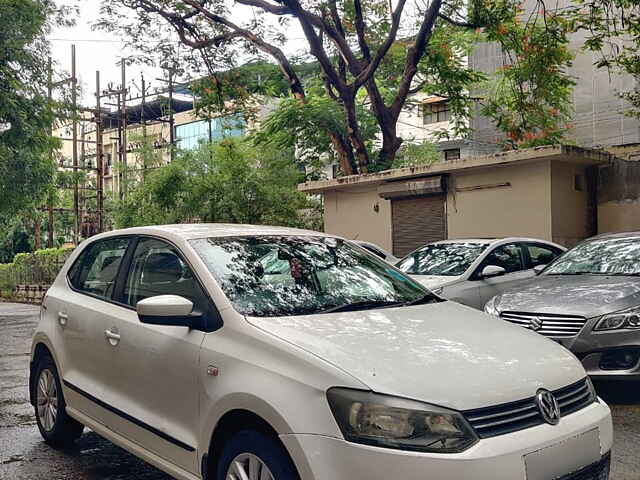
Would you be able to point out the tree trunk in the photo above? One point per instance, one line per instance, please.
(355, 137)
(344, 154)
(36, 234)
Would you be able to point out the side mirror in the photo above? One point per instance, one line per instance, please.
(168, 310)
(491, 271)
(538, 268)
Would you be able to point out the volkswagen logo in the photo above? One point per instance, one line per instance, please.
(536, 323)
(548, 406)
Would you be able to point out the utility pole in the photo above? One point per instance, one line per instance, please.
(172, 140)
(50, 226)
(74, 100)
(123, 121)
(99, 158)
(144, 125)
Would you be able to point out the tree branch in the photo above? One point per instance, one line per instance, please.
(414, 55)
(458, 23)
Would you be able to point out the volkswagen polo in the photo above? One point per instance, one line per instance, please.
(232, 352)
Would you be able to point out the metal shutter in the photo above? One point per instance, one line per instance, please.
(416, 221)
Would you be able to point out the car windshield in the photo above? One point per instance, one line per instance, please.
(297, 275)
(606, 256)
(446, 259)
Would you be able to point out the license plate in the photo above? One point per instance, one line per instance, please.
(565, 457)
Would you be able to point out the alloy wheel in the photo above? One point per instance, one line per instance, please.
(247, 466)
(47, 400)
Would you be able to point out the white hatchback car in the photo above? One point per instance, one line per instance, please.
(472, 271)
(229, 352)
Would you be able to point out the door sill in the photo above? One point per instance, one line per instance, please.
(132, 447)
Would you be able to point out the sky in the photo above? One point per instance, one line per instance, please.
(99, 50)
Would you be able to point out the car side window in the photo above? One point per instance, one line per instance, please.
(542, 254)
(97, 267)
(157, 269)
(507, 256)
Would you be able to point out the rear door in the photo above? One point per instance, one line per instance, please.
(513, 258)
(156, 384)
(83, 312)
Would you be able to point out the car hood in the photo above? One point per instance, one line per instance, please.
(443, 353)
(584, 295)
(435, 281)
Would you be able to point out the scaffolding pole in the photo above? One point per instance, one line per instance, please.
(74, 101)
(99, 158)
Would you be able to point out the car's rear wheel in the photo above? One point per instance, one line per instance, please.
(252, 455)
(56, 426)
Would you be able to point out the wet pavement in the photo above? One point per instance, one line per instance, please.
(24, 456)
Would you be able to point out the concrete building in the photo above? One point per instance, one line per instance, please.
(546, 192)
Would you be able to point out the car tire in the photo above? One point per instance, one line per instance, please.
(250, 450)
(56, 427)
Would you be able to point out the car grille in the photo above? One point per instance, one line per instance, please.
(547, 324)
(595, 471)
(510, 417)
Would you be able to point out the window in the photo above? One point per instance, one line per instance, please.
(267, 276)
(542, 254)
(508, 257)
(452, 154)
(443, 259)
(157, 269)
(578, 183)
(96, 269)
(190, 135)
(436, 112)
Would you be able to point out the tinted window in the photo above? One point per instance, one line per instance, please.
(542, 254)
(448, 259)
(604, 256)
(98, 266)
(273, 276)
(157, 269)
(508, 257)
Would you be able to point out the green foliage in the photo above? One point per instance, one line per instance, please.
(416, 154)
(39, 267)
(25, 148)
(231, 181)
(529, 98)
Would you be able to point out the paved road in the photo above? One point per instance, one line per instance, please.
(23, 455)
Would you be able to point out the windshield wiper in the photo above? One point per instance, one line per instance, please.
(428, 298)
(365, 305)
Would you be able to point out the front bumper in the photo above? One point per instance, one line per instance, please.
(499, 458)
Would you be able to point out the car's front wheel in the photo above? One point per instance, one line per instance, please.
(252, 455)
(56, 427)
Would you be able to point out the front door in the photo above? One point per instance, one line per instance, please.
(156, 367)
(512, 258)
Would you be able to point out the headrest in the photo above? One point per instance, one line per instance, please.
(162, 267)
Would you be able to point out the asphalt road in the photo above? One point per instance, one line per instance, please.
(24, 456)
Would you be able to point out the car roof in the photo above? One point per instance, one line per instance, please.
(190, 231)
(616, 235)
(492, 241)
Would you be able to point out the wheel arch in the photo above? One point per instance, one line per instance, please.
(39, 350)
(230, 423)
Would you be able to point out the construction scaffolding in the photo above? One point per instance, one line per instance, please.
(94, 136)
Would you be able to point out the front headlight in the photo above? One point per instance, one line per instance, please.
(384, 421)
(625, 319)
(491, 307)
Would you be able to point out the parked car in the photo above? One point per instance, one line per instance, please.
(589, 301)
(191, 349)
(376, 250)
(471, 271)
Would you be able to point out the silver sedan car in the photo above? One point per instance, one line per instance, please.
(471, 271)
(589, 301)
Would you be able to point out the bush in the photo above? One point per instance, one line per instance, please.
(39, 267)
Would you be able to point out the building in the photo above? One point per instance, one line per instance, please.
(546, 192)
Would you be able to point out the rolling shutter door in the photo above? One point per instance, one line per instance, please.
(416, 221)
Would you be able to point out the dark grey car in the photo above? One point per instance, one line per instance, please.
(589, 301)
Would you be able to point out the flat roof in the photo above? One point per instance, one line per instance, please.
(565, 153)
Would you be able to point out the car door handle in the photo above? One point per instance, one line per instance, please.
(62, 319)
(113, 337)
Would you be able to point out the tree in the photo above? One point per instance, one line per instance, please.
(25, 110)
(230, 181)
(389, 49)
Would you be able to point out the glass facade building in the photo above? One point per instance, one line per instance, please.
(190, 135)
